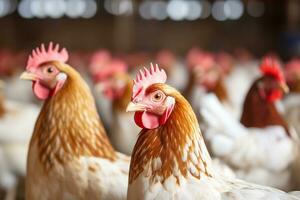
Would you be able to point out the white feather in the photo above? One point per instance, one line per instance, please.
(16, 128)
(247, 149)
(124, 132)
(83, 178)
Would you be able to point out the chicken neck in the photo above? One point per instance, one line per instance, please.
(2, 105)
(259, 113)
(176, 148)
(120, 104)
(69, 126)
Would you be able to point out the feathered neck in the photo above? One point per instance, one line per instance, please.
(120, 104)
(176, 148)
(295, 86)
(190, 86)
(2, 105)
(219, 90)
(259, 113)
(69, 126)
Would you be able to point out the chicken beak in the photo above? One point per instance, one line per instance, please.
(284, 88)
(132, 107)
(28, 76)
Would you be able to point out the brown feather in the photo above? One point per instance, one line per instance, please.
(168, 142)
(220, 91)
(2, 106)
(259, 113)
(69, 126)
(295, 86)
(120, 104)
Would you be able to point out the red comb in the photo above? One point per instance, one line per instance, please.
(41, 55)
(271, 66)
(115, 66)
(147, 77)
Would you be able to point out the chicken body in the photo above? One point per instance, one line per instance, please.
(16, 126)
(124, 131)
(291, 105)
(172, 162)
(84, 178)
(70, 156)
(238, 82)
(16, 89)
(259, 155)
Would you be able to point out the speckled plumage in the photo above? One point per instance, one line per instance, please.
(70, 156)
(172, 162)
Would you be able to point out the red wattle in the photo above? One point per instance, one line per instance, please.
(40, 91)
(146, 120)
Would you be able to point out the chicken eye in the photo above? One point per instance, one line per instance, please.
(157, 96)
(49, 69)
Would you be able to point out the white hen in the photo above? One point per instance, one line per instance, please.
(262, 143)
(259, 155)
(16, 126)
(238, 82)
(115, 84)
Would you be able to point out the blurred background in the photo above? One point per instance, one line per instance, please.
(133, 31)
(129, 25)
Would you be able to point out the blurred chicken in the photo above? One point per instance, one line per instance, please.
(238, 82)
(16, 126)
(205, 76)
(115, 83)
(15, 89)
(98, 60)
(225, 61)
(262, 147)
(170, 159)
(292, 100)
(70, 156)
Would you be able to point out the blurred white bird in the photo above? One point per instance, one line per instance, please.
(238, 82)
(114, 82)
(291, 102)
(262, 145)
(16, 127)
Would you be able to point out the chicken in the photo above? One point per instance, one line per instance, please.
(15, 89)
(70, 156)
(291, 107)
(225, 61)
(115, 83)
(205, 77)
(99, 59)
(292, 101)
(262, 147)
(170, 159)
(16, 125)
(238, 82)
